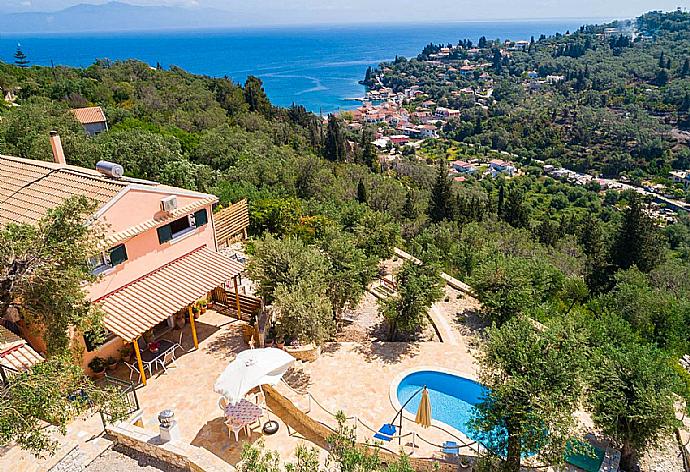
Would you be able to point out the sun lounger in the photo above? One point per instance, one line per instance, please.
(386, 432)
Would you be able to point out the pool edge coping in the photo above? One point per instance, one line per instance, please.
(393, 398)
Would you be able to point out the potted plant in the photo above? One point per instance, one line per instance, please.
(280, 342)
(126, 352)
(179, 319)
(195, 311)
(98, 365)
(154, 346)
(148, 336)
(203, 304)
(111, 363)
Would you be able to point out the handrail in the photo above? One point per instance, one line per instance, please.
(462, 444)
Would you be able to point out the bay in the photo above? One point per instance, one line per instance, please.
(318, 67)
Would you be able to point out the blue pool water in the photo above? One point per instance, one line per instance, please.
(453, 398)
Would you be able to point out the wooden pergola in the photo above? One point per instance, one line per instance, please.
(135, 308)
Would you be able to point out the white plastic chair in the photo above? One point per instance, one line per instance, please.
(133, 370)
(235, 428)
(168, 357)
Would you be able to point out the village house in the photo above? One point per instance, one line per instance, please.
(463, 167)
(443, 112)
(499, 166)
(158, 253)
(680, 177)
(92, 119)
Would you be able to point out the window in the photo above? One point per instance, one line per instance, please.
(109, 259)
(182, 226)
(93, 342)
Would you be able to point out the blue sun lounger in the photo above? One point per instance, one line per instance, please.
(386, 432)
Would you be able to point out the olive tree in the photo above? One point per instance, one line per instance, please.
(534, 384)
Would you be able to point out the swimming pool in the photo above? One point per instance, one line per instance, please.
(453, 398)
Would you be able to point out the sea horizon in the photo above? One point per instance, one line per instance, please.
(317, 66)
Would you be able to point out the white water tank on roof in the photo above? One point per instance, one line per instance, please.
(110, 169)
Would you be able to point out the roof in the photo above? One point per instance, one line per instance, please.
(138, 306)
(15, 352)
(89, 115)
(29, 188)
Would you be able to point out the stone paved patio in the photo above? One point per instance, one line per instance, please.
(187, 389)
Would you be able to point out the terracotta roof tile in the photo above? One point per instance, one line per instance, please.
(15, 352)
(89, 115)
(135, 308)
(29, 188)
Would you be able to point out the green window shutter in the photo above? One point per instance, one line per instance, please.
(164, 234)
(118, 255)
(200, 217)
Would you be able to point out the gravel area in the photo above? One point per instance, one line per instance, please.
(121, 459)
(665, 457)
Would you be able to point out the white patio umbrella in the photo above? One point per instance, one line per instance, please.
(252, 368)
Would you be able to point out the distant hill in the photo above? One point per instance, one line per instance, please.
(116, 16)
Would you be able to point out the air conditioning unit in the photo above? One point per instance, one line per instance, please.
(169, 204)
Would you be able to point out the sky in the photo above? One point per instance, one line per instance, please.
(340, 11)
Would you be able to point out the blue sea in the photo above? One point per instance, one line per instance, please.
(318, 67)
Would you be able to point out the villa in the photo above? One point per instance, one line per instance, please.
(158, 254)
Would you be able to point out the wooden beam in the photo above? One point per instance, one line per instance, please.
(237, 299)
(141, 364)
(191, 322)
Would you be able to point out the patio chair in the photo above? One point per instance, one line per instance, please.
(450, 448)
(235, 428)
(133, 370)
(168, 357)
(178, 344)
(386, 432)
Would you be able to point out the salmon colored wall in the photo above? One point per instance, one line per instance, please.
(109, 349)
(145, 254)
(137, 206)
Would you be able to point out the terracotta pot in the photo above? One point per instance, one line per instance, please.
(196, 316)
(280, 344)
(99, 375)
(203, 310)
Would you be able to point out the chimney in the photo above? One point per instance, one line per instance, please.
(58, 153)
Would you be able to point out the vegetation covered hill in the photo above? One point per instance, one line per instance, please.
(324, 209)
(609, 101)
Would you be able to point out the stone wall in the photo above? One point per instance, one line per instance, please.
(307, 353)
(176, 453)
(318, 433)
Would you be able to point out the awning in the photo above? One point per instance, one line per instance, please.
(140, 305)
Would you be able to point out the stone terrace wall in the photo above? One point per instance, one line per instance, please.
(318, 433)
(176, 453)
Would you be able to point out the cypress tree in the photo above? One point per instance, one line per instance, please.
(335, 140)
(637, 241)
(409, 211)
(662, 60)
(500, 206)
(598, 269)
(685, 70)
(440, 204)
(362, 193)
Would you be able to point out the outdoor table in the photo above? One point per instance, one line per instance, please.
(149, 358)
(242, 414)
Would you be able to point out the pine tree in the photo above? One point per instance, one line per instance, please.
(255, 96)
(637, 241)
(440, 204)
(368, 150)
(362, 193)
(335, 140)
(20, 58)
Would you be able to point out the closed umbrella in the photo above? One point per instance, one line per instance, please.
(423, 417)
